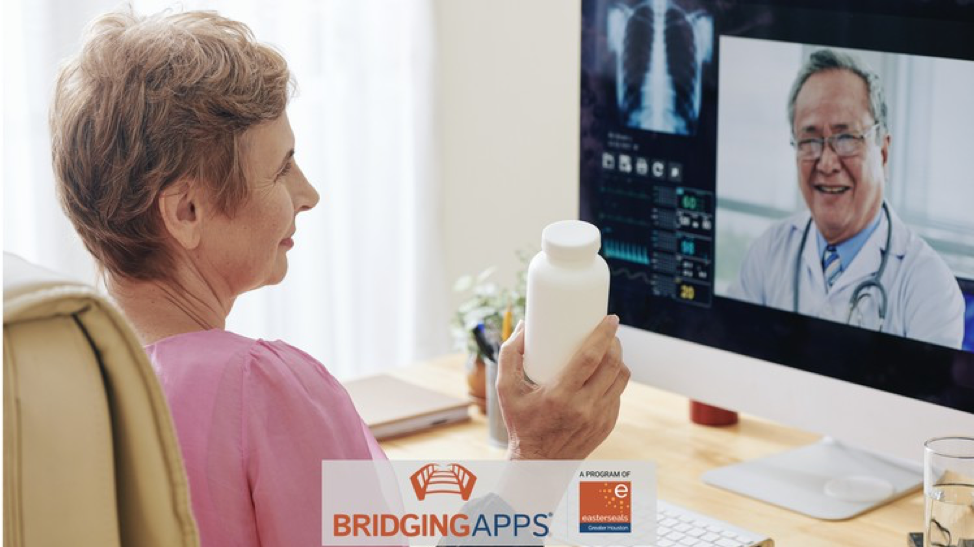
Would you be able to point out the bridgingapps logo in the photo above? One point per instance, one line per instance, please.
(435, 479)
(605, 507)
(482, 520)
(487, 503)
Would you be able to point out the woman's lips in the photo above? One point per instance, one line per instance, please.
(287, 242)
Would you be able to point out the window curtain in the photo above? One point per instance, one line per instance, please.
(365, 288)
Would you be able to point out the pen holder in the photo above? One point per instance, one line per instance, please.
(476, 381)
(496, 429)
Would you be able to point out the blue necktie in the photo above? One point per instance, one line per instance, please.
(831, 265)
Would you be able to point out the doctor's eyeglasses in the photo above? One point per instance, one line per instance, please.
(844, 145)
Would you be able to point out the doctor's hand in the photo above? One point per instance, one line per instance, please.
(569, 417)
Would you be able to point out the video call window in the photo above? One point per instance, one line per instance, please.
(691, 167)
(763, 214)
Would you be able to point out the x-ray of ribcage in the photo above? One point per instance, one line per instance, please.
(660, 51)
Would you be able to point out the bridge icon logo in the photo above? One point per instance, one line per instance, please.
(435, 479)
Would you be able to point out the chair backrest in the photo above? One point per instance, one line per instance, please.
(90, 455)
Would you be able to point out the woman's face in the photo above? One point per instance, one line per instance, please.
(249, 249)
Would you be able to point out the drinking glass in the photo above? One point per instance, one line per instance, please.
(948, 486)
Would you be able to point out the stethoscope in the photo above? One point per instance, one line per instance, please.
(859, 294)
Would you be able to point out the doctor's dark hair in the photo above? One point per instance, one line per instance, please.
(149, 102)
(827, 59)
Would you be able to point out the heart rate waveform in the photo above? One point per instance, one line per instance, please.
(623, 219)
(635, 194)
(632, 275)
(659, 285)
(629, 252)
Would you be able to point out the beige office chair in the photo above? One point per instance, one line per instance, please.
(89, 451)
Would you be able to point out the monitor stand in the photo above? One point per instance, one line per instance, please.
(826, 480)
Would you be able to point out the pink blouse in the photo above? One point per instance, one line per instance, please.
(254, 420)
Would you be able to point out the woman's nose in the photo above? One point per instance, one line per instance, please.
(307, 196)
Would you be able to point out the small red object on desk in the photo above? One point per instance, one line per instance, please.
(705, 414)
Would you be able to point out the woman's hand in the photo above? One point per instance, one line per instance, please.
(568, 418)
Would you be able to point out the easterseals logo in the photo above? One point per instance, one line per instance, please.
(434, 479)
(605, 507)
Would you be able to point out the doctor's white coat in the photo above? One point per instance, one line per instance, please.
(925, 302)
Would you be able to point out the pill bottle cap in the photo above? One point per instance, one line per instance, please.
(572, 240)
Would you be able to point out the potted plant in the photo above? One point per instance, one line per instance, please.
(486, 303)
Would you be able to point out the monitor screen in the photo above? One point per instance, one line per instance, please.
(790, 181)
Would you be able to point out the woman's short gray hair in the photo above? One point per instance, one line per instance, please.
(150, 101)
(827, 59)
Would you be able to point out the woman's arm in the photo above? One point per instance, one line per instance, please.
(295, 415)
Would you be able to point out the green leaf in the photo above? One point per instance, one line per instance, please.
(463, 283)
(487, 290)
(482, 276)
(481, 313)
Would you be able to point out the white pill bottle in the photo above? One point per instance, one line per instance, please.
(567, 297)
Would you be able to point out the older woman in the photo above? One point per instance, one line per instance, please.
(176, 164)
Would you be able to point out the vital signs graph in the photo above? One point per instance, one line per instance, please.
(657, 232)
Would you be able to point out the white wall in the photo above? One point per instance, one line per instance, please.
(507, 127)
(506, 121)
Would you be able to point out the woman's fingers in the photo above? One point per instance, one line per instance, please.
(603, 377)
(620, 383)
(588, 358)
(510, 366)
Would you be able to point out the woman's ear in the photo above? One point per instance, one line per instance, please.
(180, 208)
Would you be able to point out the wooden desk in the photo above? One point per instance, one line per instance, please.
(654, 425)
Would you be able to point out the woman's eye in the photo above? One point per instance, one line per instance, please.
(286, 170)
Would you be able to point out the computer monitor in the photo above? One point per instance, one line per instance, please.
(781, 243)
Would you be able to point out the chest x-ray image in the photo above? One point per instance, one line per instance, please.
(661, 49)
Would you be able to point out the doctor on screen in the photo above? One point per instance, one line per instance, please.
(849, 258)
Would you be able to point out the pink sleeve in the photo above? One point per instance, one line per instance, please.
(374, 448)
(295, 415)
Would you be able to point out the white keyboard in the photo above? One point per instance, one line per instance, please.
(680, 527)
